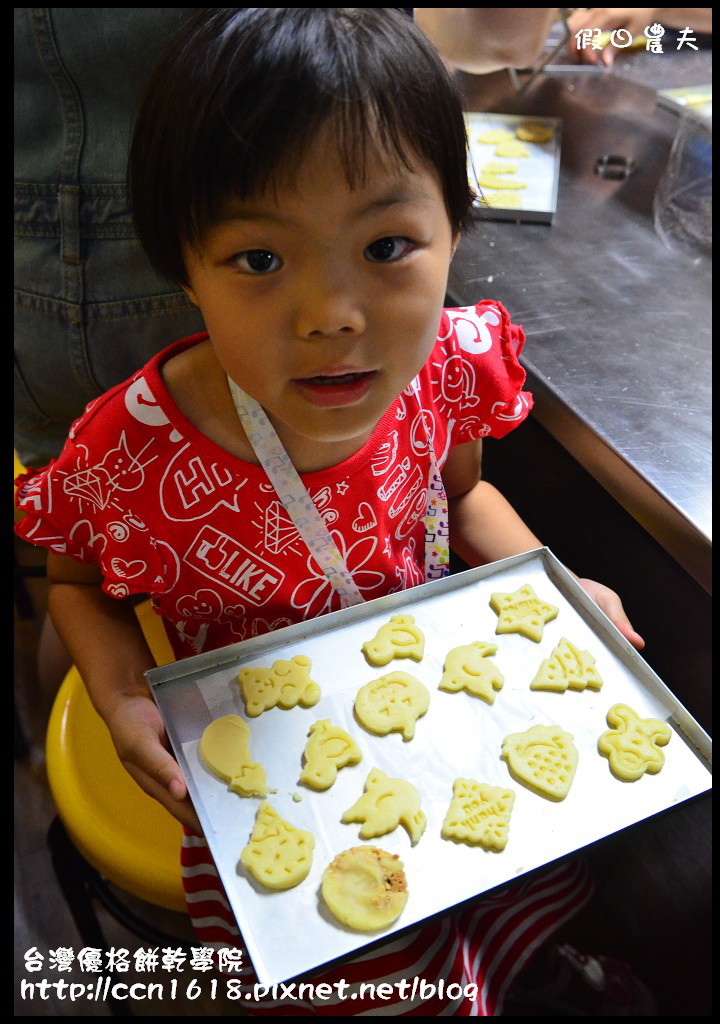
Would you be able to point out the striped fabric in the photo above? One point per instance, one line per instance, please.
(461, 965)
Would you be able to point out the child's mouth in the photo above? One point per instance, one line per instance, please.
(335, 389)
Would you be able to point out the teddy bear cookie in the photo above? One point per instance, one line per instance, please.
(567, 668)
(285, 684)
(392, 703)
(522, 612)
(385, 804)
(479, 815)
(328, 749)
(224, 748)
(632, 745)
(543, 758)
(365, 888)
(398, 638)
(468, 668)
(279, 856)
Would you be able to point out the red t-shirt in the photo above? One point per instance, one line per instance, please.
(165, 511)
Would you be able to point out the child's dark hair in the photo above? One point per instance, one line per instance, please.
(240, 92)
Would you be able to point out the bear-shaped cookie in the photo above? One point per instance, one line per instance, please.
(278, 855)
(468, 668)
(285, 684)
(385, 804)
(224, 748)
(398, 638)
(392, 703)
(543, 758)
(522, 612)
(365, 888)
(479, 815)
(632, 746)
(328, 749)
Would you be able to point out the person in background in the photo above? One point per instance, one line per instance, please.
(312, 221)
(480, 40)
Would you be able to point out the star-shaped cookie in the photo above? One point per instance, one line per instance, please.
(522, 612)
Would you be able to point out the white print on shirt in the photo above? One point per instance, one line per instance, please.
(128, 570)
(225, 561)
(471, 330)
(385, 457)
(190, 490)
(278, 530)
(119, 470)
(92, 538)
(518, 410)
(366, 518)
(314, 595)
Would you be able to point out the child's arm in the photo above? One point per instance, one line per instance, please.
(107, 645)
(485, 527)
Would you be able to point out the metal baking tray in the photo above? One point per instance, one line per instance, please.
(289, 934)
(539, 172)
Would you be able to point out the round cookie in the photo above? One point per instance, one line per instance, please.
(365, 888)
(533, 131)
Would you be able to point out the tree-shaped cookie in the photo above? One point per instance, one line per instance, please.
(398, 638)
(567, 668)
(328, 749)
(479, 814)
(543, 758)
(469, 668)
(632, 746)
(392, 703)
(522, 612)
(224, 748)
(278, 855)
(285, 684)
(385, 804)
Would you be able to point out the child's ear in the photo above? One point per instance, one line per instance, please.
(191, 294)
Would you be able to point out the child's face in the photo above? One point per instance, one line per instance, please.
(323, 302)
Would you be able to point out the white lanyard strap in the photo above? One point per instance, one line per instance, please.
(310, 524)
(293, 494)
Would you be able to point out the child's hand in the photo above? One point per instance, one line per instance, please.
(609, 602)
(140, 740)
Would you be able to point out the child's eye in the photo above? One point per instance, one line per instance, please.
(257, 261)
(387, 250)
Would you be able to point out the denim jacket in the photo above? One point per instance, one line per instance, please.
(89, 309)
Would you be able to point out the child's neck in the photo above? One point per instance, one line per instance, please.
(211, 410)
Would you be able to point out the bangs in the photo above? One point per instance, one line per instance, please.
(256, 86)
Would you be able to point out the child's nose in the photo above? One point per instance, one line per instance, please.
(326, 308)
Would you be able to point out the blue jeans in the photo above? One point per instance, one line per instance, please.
(89, 309)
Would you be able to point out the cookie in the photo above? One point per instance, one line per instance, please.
(494, 135)
(543, 758)
(365, 888)
(522, 612)
(497, 182)
(511, 148)
(286, 684)
(224, 748)
(279, 856)
(567, 668)
(498, 167)
(328, 749)
(398, 638)
(392, 703)
(385, 804)
(503, 200)
(479, 815)
(469, 668)
(632, 746)
(534, 131)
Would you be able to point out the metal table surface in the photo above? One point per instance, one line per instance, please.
(618, 347)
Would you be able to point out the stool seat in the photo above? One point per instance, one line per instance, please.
(125, 835)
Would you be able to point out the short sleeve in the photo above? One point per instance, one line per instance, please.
(482, 376)
(65, 510)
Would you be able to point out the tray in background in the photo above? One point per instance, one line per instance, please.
(289, 934)
(539, 171)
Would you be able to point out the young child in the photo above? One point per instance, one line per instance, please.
(302, 174)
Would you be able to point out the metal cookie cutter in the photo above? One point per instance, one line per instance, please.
(615, 167)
